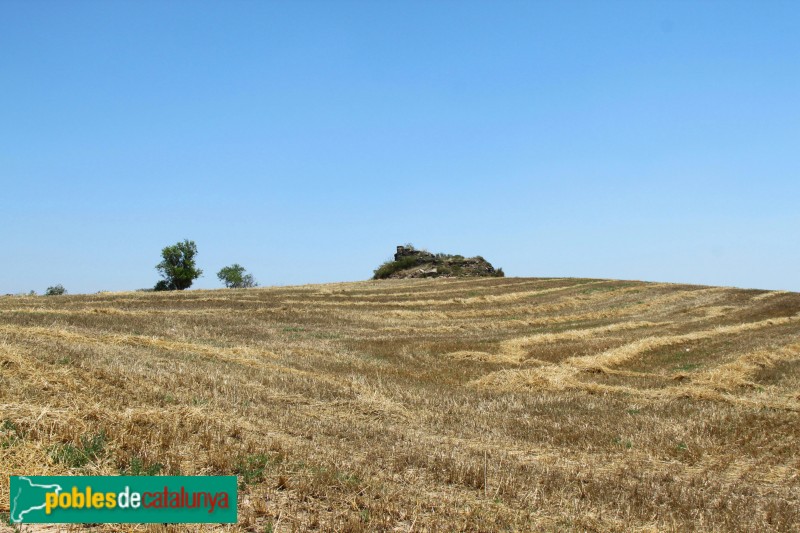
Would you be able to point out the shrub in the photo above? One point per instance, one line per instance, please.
(57, 290)
(390, 267)
(234, 277)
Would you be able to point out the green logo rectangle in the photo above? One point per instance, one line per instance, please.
(123, 499)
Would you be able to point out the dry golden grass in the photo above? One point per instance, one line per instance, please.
(423, 405)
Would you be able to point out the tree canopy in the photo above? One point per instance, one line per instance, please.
(234, 277)
(56, 290)
(178, 266)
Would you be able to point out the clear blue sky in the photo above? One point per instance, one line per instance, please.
(304, 140)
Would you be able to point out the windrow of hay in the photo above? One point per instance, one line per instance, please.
(517, 347)
(243, 356)
(563, 375)
(740, 372)
(467, 300)
(770, 294)
(623, 354)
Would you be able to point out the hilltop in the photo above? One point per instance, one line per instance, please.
(409, 262)
(469, 404)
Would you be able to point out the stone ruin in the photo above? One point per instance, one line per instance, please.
(425, 264)
(410, 251)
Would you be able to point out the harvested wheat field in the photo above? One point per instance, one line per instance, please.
(422, 405)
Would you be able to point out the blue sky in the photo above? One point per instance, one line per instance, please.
(304, 140)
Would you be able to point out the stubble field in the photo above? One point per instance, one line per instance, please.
(422, 405)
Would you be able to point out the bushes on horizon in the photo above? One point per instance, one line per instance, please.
(234, 277)
(56, 290)
(390, 267)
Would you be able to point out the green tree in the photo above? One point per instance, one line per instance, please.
(57, 290)
(178, 267)
(234, 277)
